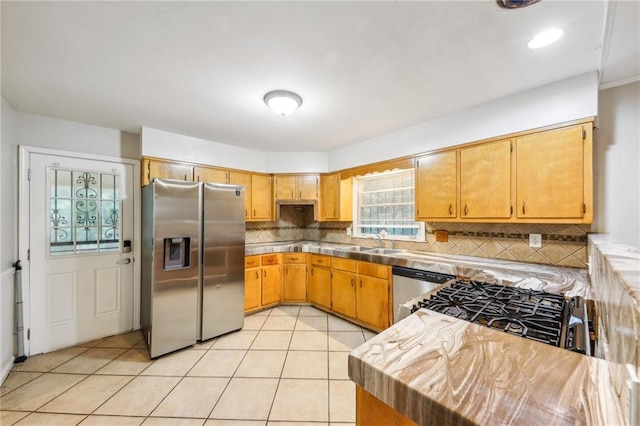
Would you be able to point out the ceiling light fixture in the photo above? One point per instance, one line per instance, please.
(283, 102)
(545, 38)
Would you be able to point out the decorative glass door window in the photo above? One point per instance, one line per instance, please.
(84, 212)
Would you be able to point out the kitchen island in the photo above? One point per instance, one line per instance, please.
(439, 370)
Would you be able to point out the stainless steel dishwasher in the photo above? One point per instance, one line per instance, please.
(409, 283)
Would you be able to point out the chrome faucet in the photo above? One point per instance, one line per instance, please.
(379, 242)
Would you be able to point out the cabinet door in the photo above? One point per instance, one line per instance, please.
(329, 201)
(210, 174)
(252, 288)
(295, 283)
(285, 187)
(307, 187)
(372, 301)
(244, 179)
(549, 174)
(319, 290)
(436, 186)
(271, 284)
(260, 197)
(343, 293)
(485, 181)
(167, 170)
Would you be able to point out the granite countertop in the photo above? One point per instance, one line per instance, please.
(553, 279)
(437, 369)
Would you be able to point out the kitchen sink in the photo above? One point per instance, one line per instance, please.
(381, 250)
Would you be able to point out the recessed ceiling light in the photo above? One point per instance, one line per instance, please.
(282, 102)
(545, 38)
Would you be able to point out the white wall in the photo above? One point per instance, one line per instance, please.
(617, 164)
(158, 143)
(566, 100)
(296, 162)
(47, 132)
(8, 235)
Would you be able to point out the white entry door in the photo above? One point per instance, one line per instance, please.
(80, 270)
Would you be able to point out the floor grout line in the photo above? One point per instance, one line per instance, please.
(328, 325)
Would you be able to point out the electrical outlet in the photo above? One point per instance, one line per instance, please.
(349, 231)
(535, 240)
(442, 236)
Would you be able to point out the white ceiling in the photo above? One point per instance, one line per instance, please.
(362, 68)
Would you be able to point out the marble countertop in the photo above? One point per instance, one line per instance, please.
(553, 279)
(436, 369)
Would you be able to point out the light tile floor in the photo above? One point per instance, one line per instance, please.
(287, 366)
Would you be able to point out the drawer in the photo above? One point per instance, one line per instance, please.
(341, 264)
(320, 260)
(294, 258)
(251, 261)
(270, 259)
(374, 270)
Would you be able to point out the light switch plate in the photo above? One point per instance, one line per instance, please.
(535, 240)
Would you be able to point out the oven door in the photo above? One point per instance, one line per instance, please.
(408, 284)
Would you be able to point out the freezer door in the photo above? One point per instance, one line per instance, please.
(176, 238)
(223, 263)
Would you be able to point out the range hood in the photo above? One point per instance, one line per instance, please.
(300, 203)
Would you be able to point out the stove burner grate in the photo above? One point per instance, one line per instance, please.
(531, 314)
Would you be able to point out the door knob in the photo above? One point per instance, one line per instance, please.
(124, 261)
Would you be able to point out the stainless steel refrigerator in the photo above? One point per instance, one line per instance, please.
(192, 263)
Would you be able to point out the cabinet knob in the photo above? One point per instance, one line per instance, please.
(523, 209)
(257, 276)
(465, 210)
(360, 283)
(300, 196)
(450, 210)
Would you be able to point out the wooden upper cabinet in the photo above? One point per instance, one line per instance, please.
(436, 186)
(152, 168)
(243, 179)
(485, 181)
(336, 198)
(261, 198)
(210, 174)
(551, 170)
(302, 187)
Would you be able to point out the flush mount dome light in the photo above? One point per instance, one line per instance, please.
(545, 38)
(515, 4)
(282, 102)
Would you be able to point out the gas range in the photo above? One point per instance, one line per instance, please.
(532, 314)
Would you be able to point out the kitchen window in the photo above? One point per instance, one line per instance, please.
(385, 205)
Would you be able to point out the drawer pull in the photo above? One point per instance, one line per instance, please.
(450, 209)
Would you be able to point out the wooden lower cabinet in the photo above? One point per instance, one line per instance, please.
(319, 286)
(271, 284)
(370, 411)
(343, 293)
(262, 281)
(372, 299)
(356, 290)
(252, 288)
(294, 277)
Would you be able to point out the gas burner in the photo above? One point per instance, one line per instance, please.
(531, 314)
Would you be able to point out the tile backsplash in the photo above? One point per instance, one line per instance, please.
(562, 245)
